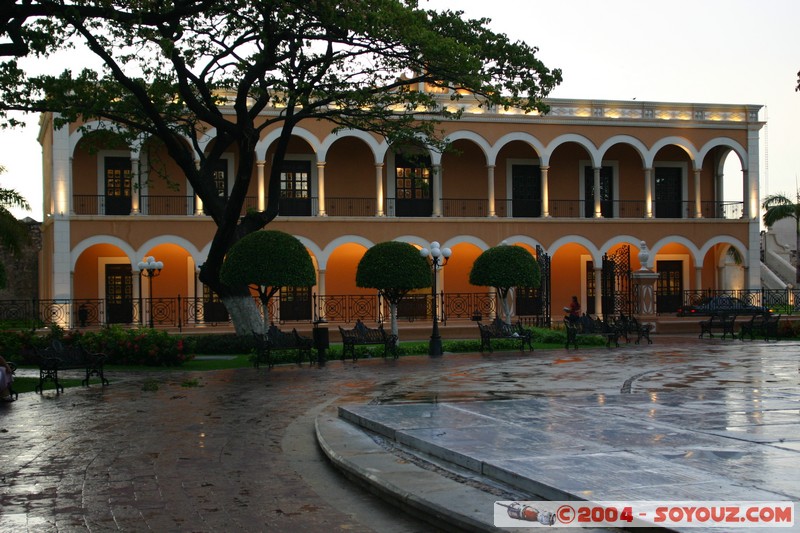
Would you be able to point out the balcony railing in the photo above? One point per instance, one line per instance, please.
(341, 206)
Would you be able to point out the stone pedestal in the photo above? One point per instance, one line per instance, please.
(644, 285)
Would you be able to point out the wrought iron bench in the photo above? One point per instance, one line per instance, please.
(718, 322)
(498, 329)
(362, 335)
(58, 357)
(588, 326)
(765, 325)
(276, 340)
(630, 325)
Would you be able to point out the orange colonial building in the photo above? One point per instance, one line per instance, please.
(591, 179)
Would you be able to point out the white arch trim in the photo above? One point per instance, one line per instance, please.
(479, 140)
(167, 239)
(526, 138)
(675, 239)
(681, 142)
(378, 148)
(594, 153)
(633, 142)
(597, 256)
(728, 143)
(726, 239)
(101, 239)
(263, 145)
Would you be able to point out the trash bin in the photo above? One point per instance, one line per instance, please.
(321, 341)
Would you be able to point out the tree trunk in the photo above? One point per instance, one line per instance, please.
(244, 314)
(393, 316)
(505, 306)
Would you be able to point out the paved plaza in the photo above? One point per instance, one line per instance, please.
(238, 450)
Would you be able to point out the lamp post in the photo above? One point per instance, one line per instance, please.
(150, 269)
(437, 258)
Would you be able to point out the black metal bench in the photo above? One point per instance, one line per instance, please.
(276, 340)
(588, 326)
(630, 326)
(58, 357)
(362, 335)
(764, 325)
(498, 329)
(718, 322)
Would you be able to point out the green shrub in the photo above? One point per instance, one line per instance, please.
(139, 346)
(221, 344)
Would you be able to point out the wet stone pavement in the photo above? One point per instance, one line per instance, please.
(235, 450)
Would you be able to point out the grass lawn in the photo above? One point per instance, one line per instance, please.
(205, 363)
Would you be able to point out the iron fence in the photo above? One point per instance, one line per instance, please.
(181, 312)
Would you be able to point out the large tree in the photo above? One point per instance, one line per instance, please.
(178, 70)
(777, 207)
(505, 267)
(266, 261)
(13, 233)
(394, 269)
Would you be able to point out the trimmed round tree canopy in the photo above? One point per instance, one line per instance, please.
(270, 258)
(393, 265)
(504, 267)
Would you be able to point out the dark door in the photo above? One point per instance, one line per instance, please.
(591, 288)
(526, 191)
(669, 192)
(669, 291)
(295, 303)
(413, 186)
(606, 192)
(118, 186)
(119, 294)
(213, 308)
(295, 189)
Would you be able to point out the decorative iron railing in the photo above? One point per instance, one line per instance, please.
(162, 205)
(181, 312)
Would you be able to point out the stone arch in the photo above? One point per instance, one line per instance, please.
(676, 239)
(597, 255)
(263, 145)
(526, 138)
(680, 142)
(87, 243)
(629, 140)
(378, 148)
(594, 154)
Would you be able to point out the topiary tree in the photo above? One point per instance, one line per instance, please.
(267, 261)
(505, 267)
(395, 269)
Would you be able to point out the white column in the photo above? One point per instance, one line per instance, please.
(698, 206)
(321, 293)
(198, 203)
(745, 194)
(321, 188)
(648, 193)
(261, 187)
(545, 192)
(490, 184)
(598, 291)
(135, 187)
(379, 195)
(62, 188)
(698, 278)
(598, 210)
(437, 190)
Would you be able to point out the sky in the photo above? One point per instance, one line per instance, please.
(698, 51)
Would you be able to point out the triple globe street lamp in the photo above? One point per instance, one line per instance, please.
(150, 268)
(437, 258)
